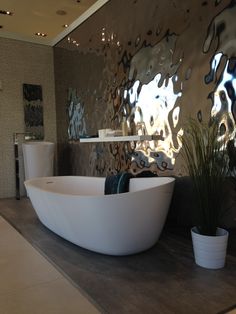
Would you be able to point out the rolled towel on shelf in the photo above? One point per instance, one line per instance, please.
(119, 183)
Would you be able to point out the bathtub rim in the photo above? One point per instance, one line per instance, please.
(35, 142)
(117, 195)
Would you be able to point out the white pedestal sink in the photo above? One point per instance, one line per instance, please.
(38, 159)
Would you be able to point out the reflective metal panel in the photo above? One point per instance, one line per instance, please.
(153, 64)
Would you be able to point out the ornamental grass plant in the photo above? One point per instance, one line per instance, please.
(206, 161)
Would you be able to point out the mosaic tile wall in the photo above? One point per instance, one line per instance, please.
(22, 62)
(152, 62)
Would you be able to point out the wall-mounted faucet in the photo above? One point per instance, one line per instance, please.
(27, 136)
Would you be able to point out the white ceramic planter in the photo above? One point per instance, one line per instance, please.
(210, 251)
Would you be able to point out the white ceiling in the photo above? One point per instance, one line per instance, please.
(30, 17)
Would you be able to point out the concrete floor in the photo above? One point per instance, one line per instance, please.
(164, 279)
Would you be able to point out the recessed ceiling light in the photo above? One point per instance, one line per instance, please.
(1, 26)
(65, 25)
(78, 1)
(6, 12)
(61, 12)
(41, 34)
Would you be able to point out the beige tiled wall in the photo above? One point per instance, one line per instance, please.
(22, 62)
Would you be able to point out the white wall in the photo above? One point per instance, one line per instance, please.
(22, 62)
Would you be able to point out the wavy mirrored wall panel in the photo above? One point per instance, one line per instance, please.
(75, 112)
(221, 38)
(153, 64)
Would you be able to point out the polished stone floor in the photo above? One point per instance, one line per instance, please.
(164, 279)
(29, 283)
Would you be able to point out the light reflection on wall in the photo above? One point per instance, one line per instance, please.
(153, 105)
(221, 34)
(152, 99)
(75, 111)
(222, 99)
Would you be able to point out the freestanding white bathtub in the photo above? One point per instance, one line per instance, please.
(76, 208)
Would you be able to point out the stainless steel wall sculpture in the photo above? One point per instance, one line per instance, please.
(154, 63)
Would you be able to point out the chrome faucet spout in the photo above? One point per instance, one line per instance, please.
(27, 136)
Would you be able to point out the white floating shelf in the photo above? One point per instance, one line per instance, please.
(120, 138)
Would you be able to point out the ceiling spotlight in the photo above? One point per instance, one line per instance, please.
(6, 12)
(65, 25)
(41, 34)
